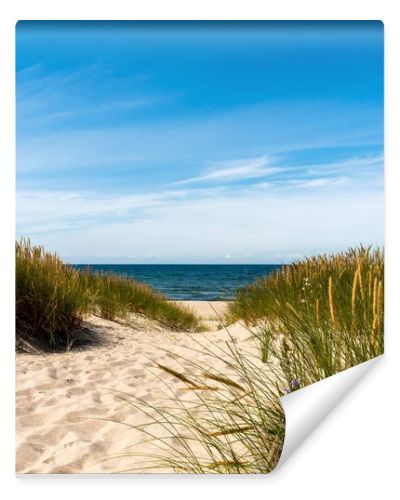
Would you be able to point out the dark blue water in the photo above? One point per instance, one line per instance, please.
(190, 282)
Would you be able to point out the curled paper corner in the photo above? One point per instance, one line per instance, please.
(307, 408)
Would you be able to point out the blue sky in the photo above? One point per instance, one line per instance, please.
(199, 142)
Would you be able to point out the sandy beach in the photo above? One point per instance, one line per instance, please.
(68, 413)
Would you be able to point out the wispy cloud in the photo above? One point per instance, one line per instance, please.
(187, 142)
(317, 183)
(202, 225)
(47, 212)
(347, 165)
(310, 183)
(40, 210)
(230, 171)
(54, 99)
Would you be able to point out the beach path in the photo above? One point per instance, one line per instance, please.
(69, 413)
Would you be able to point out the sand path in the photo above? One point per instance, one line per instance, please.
(66, 407)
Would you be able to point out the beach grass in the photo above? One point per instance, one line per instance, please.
(228, 422)
(52, 298)
(318, 316)
(311, 319)
(50, 301)
(113, 297)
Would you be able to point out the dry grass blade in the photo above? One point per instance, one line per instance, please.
(237, 429)
(180, 376)
(232, 430)
(223, 380)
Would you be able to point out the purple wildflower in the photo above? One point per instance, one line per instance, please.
(294, 385)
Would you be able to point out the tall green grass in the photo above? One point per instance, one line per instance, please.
(50, 301)
(113, 296)
(226, 420)
(312, 319)
(52, 298)
(320, 315)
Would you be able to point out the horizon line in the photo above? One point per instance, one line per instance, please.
(174, 264)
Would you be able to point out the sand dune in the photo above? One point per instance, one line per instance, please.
(67, 410)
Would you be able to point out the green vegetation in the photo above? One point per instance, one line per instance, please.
(230, 423)
(113, 296)
(312, 319)
(50, 301)
(52, 298)
(318, 316)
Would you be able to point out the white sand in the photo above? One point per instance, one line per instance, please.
(60, 396)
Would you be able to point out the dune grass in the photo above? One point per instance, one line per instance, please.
(320, 315)
(227, 420)
(50, 301)
(52, 298)
(114, 297)
(312, 319)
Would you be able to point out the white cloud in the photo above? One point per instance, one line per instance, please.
(347, 165)
(51, 99)
(315, 183)
(45, 212)
(215, 225)
(230, 171)
(276, 128)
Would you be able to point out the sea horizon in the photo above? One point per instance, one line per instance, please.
(210, 282)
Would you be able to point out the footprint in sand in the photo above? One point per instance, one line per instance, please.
(43, 388)
(52, 437)
(32, 419)
(136, 373)
(99, 447)
(99, 375)
(96, 396)
(50, 402)
(35, 368)
(52, 373)
(22, 410)
(28, 453)
(76, 391)
(23, 393)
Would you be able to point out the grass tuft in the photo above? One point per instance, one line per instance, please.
(115, 297)
(50, 301)
(314, 318)
(320, 315)
(52, 298)
(230, 428)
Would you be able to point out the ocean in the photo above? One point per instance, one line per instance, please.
(187, 281)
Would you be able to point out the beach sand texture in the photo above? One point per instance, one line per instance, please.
(65, 404)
